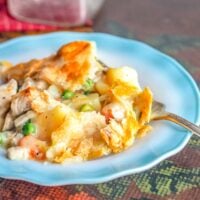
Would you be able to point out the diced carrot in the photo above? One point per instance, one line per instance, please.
(37, 147)
(108, 114)
(28, 141)
(113, 110)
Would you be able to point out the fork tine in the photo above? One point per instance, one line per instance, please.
(158, 109)
(102, 63)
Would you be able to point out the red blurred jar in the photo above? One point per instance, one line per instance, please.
(55, 12)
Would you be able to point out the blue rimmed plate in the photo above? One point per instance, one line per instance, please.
(169, 81)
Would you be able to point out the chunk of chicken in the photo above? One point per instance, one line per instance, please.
(114, 110)
(113, 135)
(18, 153)
(9, 122)
(2, 116)
(21, 103)
(6, 92)
(42, 85)
(32, 99)
(24, 118)
(29, 82)
(41, 101)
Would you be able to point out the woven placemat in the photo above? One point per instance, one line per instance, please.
(175, 178)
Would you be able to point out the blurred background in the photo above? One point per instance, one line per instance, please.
(171, 26)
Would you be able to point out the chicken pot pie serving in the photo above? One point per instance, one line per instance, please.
(69, 107)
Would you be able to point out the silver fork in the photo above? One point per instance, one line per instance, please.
(159, 113)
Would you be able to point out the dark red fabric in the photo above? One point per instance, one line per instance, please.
(8, 23)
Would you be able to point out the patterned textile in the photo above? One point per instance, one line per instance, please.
(176, 178)
(8, 23)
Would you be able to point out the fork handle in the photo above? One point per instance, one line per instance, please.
(181, 121)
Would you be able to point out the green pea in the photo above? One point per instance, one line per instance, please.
(86, 108)
(29, 128)
(88, 85)
(86, 92)
(67, 94)
(2, 138)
